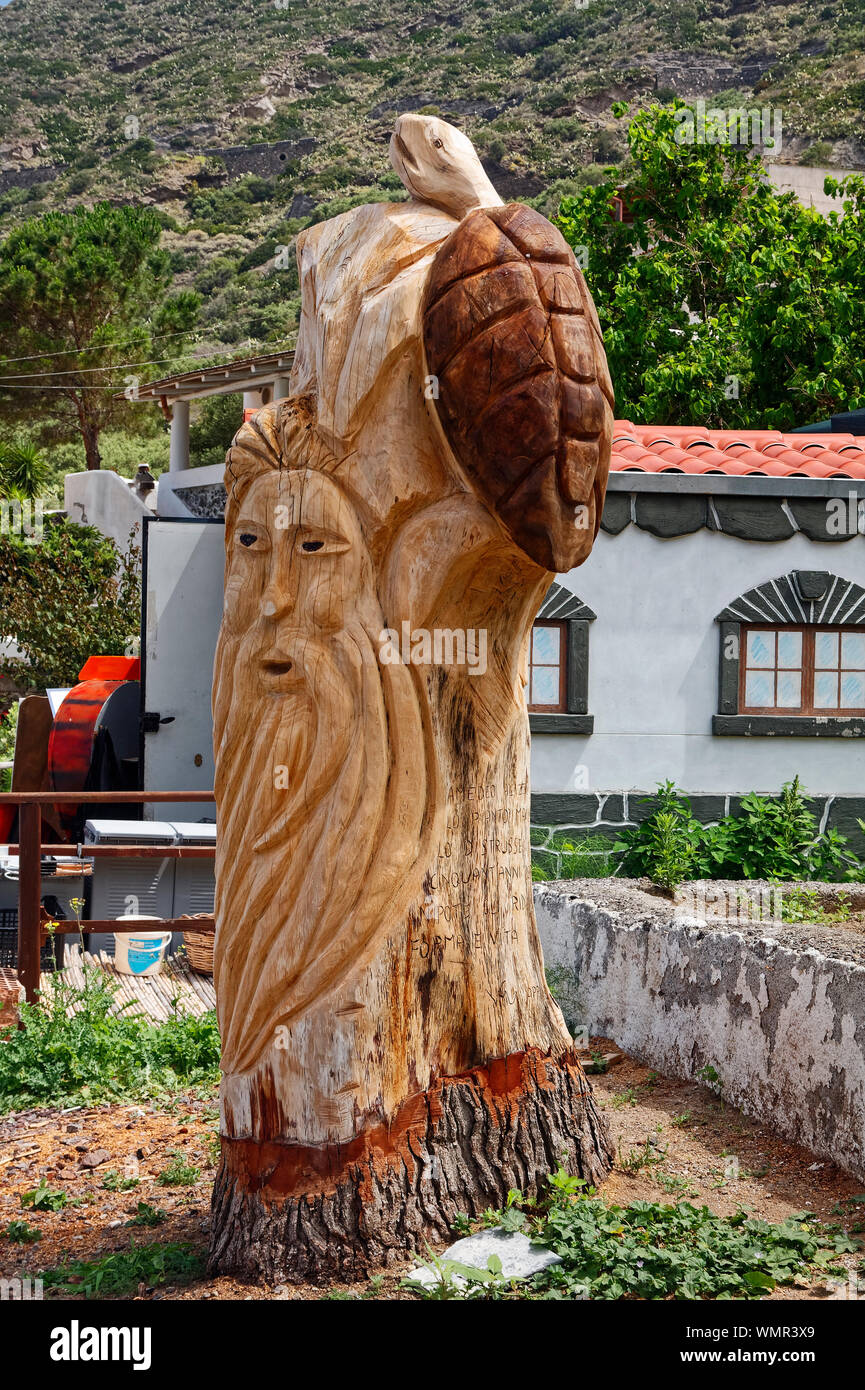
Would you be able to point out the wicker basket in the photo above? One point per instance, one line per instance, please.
(199, 947)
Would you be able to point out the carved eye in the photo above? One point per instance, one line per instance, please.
(257, 540)
(313, 541)
(438, 144)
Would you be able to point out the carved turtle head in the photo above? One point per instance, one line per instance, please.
(438, 164)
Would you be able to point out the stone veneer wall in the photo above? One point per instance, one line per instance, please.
(563, 815)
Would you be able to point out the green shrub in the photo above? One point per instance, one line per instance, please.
(122, 1271)
(653, 1251)
(664, 847)
(818, 154)
(25, 471)
(73, 1050)
(773, 838)
(646, 1250)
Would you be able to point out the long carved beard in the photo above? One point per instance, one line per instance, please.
(325, 790)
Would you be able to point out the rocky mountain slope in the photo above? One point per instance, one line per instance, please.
(244, 121)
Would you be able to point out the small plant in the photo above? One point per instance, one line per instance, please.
(563, 1188)
(178, 1173)
(620, 1099)
(803, 905)
(598, 1064)
(461, 1225)
(44, 1198)
(116, 1182)
(710, 1078)
(21, 1233)
(147, 1215)
(649, 1156)
(455, 1280)
(682, 1120)
(673, 1184)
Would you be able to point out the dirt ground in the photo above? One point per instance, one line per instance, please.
(674, 1141)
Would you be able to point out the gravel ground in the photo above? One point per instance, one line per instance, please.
(674, 1140)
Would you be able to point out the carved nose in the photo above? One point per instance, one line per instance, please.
(276, 601)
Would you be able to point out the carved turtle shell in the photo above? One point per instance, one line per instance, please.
(524, 393)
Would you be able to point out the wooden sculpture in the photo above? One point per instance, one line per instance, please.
(391, 1053)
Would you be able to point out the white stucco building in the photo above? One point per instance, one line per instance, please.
(719, 630)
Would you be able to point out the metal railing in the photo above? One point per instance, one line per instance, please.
(30, 850)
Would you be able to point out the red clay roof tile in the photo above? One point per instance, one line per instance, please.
(689, 449)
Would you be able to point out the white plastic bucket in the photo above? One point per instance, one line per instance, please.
(140, 952)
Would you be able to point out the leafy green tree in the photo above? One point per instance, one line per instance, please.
(211, 435)
(71, 596)
(83, 294)
(723, 302)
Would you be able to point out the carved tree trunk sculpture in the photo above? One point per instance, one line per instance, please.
(392, 1054)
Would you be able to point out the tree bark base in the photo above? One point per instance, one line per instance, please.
(286, 1212)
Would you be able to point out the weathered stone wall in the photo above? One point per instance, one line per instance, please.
(777, 1010)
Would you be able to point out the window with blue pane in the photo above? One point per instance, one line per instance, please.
(802, 670)
(547, 690)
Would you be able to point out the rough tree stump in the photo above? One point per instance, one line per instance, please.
(391, 1053)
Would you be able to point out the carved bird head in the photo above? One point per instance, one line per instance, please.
(438, 164)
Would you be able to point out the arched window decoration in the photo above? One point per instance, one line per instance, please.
(792, 659)
(558, 692)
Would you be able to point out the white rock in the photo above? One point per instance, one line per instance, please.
(520, 1259)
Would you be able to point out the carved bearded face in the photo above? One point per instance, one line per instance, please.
(294, 569)
(310, 783)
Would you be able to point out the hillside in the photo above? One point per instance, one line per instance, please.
(244, 121)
